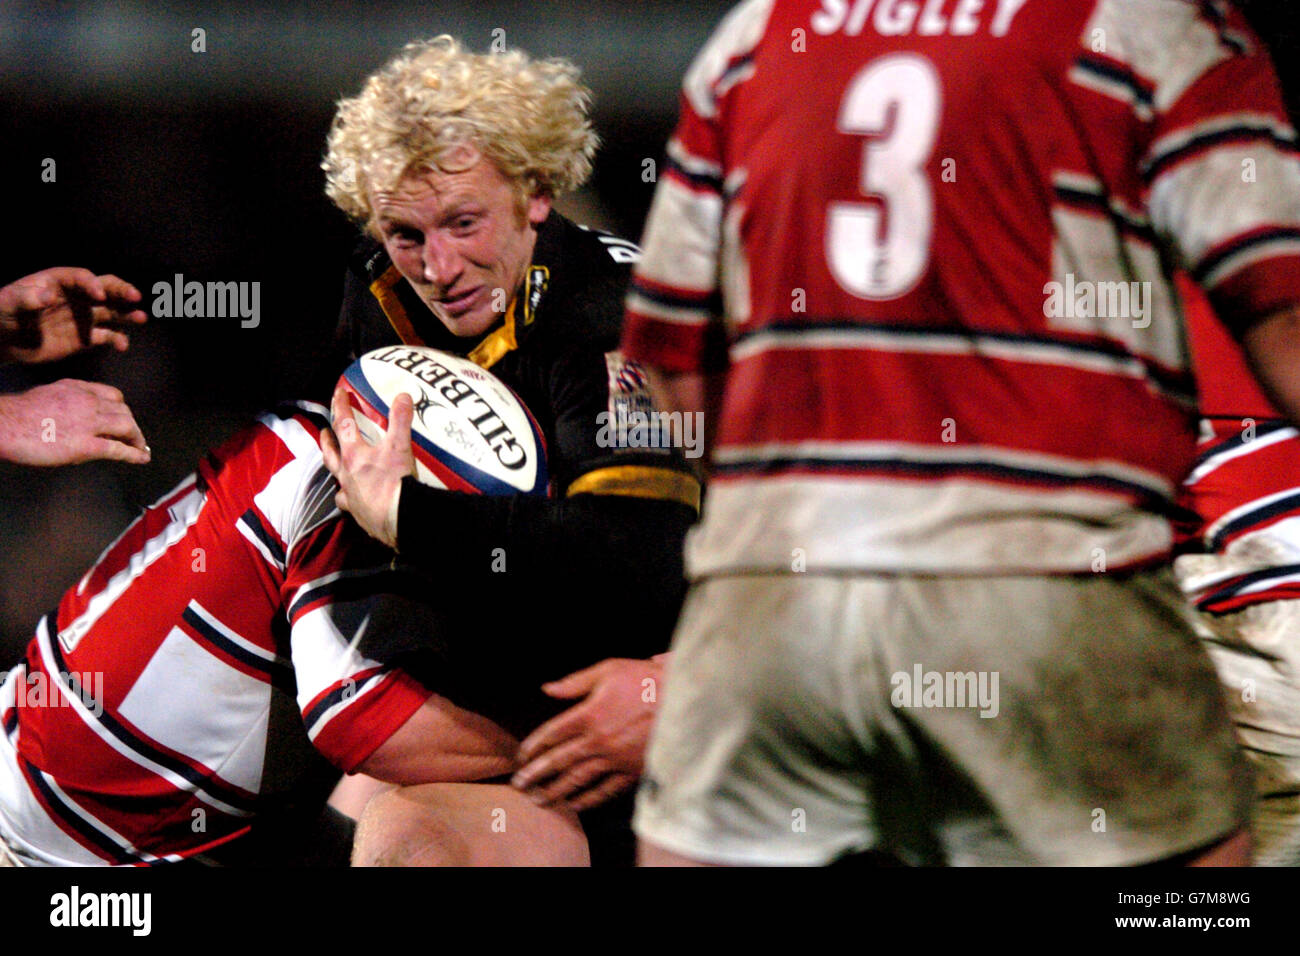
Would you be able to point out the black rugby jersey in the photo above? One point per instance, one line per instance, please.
(599, 561)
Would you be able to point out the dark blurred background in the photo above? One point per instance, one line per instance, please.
(207, 164)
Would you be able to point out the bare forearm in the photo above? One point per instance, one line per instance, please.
(1272, 348)
(442, 742)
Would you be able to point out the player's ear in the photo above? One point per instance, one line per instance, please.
(538, 208)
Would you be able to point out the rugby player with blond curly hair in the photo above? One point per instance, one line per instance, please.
(451, 162)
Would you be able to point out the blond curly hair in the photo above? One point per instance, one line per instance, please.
(426, 105)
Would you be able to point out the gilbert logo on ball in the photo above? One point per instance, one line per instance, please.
(470, 431)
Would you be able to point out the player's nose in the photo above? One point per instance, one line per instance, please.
(442, 263)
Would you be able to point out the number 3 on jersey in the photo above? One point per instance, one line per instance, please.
(880, 250)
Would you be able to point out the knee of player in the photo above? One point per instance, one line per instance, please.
(394, 830)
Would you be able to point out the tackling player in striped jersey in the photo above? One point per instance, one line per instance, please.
(928, 251)
(184, 690)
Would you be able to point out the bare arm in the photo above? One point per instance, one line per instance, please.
(442, 742)
(1272, 348)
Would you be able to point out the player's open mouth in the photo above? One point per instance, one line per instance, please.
(460, 304)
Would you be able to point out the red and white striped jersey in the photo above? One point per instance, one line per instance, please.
(933, 245)
(1245, 487)
(212, 640)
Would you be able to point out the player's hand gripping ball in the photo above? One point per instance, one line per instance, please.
(433, 415)
(469, 431)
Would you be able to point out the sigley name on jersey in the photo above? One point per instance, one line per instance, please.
(922, 17)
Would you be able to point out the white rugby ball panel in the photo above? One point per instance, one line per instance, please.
(470, 432)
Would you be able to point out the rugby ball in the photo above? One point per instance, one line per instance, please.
(470, 432)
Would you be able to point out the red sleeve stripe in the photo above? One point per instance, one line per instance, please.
(1252, 516)
(340, 587)
(1239, 445)
(1260, 243)
(341, 691)
(737, 71)
(694, 144)
(353, 731)
(1255, 587)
